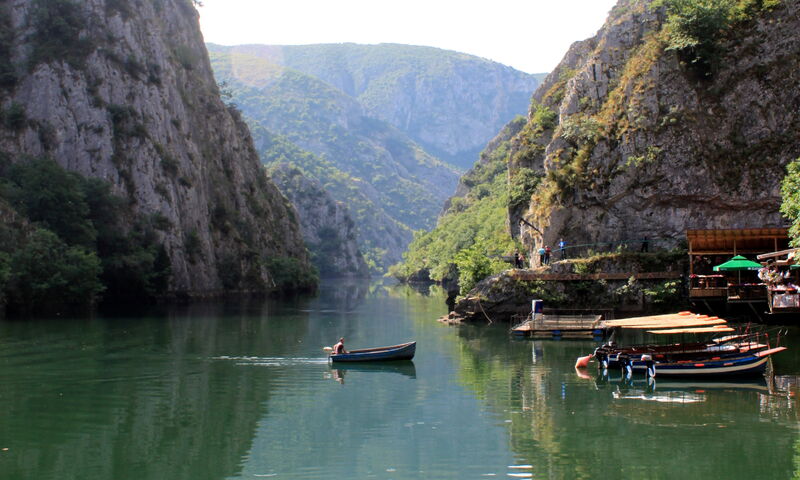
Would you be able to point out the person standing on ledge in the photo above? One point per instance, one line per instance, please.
(339, 347)
(562, 248)
(645, 244)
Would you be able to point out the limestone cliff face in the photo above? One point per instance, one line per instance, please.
(629, 140)
(329, 231)
(123, 91)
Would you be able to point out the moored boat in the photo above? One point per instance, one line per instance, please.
(745, 353)
(747, 364)
(403, 351)
(609, 356)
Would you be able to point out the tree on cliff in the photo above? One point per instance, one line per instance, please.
(67, 244)
(696, 27)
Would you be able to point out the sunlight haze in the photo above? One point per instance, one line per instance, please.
(531, 36)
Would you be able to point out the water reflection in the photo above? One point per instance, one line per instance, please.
(134, 398)
(580, 424)
(243, 390)
(343, 295)
(405, 368)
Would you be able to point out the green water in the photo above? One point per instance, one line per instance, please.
(243, 391)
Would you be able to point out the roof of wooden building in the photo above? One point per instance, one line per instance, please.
(747, 240)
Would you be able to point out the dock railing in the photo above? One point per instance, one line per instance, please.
(584, 250)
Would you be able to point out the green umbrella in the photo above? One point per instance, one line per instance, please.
(737, 264)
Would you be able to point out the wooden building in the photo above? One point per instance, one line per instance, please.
(782, 278)
(709, 248)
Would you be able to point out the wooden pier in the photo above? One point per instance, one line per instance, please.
(564, 326)
(578, 277)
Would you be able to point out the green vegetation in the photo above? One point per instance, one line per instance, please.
(556, 92)
(542, 117)
(696, 27)
(45, 271)
(790, 208)
(307, 113)
(290, 274)
(474, 264)
(521, 186)
(389, 184)
(419, 90)
(57, 34)
(13, 117)
(72, 245)
(471, 237)
(667, 293)
(658, 261)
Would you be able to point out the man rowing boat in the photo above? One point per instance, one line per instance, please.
(339, 347)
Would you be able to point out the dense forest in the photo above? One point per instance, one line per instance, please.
(64, 241)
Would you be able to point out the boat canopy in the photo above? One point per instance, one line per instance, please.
(714, 329)
(672, 320)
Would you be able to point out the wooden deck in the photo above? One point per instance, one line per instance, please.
(595, 325)
(577, 277)
(561, 326)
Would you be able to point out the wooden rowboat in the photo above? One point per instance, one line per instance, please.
(611, 357)
(404, 351)
(753, 364)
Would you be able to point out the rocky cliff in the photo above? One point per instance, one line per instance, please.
(379, 237)
(448, 102)
(328, 229)
(655, 126)
(123, 91)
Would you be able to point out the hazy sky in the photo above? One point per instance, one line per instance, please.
(530, 35)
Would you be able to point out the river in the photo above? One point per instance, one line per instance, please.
(243, 391)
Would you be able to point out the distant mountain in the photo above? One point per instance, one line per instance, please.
(404, 184)
(450, 103)
(377, 233)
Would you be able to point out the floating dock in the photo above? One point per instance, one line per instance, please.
(561, 326)
(593, 325)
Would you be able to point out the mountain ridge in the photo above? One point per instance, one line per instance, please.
(400, 179)
(449, 102)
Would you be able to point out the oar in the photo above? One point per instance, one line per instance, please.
(583, 362)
